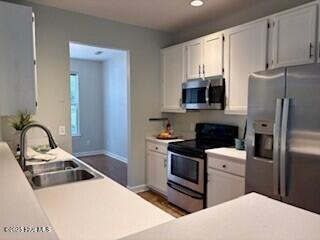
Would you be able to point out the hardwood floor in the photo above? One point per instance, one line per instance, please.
(162, 203)
(110, 167)
(117, 171)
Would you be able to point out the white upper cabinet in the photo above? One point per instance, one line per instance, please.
(173, 75)
(17, 78)
(284, 39)
(194, 56)
(294, 37)
(212, 55)
(245, 51)
(204, 56)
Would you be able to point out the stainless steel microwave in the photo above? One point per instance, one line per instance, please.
(204, 94)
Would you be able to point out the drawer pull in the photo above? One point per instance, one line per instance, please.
(156, 148)
(224, 166)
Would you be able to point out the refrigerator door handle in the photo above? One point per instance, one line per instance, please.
(276, 146)
(283, 147)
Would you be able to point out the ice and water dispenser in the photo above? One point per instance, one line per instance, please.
(263, 137)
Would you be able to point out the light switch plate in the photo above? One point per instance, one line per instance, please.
(62, 130)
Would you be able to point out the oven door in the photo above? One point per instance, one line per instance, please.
(186, 171)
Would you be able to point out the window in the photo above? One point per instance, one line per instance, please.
(74, 93)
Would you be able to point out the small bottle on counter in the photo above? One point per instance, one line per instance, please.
(18, 151)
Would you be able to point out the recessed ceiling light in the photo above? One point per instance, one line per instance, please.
(196, 3)
(98, 52)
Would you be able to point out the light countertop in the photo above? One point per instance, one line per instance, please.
(98, 209)
(18, 204)
(228, 152)
(154, 139)
(250, 217)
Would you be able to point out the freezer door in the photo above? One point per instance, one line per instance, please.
(266, 91)
(300, 185)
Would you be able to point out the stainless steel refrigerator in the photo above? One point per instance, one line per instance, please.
(283, 139)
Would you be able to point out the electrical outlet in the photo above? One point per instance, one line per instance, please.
(62, 130)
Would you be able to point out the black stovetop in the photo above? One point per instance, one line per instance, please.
(194, 147)
(208, 136)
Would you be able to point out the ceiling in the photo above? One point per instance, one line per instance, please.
(85, 52)
(165, 15)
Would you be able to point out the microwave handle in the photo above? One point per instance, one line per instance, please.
(207, 94)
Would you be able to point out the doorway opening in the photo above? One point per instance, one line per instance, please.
(99, 105)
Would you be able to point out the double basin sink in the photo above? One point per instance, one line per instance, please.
(57, 173)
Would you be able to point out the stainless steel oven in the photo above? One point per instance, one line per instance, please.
(186, 171)
(187, 164)
(204, 94)
(186, 186)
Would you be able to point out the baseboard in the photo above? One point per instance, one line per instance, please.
(138, 189)
(115, 156)
(103, 152)
(90, 153)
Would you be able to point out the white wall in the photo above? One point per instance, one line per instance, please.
(115, 106)
(55, 28)
(91, 106)
(0, 130)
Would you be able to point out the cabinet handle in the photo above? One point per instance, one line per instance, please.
(224, 166)
(310, 50)
(203, 70)
(156, 148)
(165, 163)
(199, 71)
(180, 102)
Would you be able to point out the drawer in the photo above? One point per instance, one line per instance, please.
(227, 166)
(161, 148)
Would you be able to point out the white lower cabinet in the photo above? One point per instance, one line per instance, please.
(226, 175)
(223, 187)
(157, 171)
(157, 166)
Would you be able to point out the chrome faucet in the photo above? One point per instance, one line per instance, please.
(23, 141)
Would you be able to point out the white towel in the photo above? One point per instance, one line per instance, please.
(56, 154)
(33, 155)
(60, 154)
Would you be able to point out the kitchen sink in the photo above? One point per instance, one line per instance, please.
(51, 167)
(60, 172)
(62, 177)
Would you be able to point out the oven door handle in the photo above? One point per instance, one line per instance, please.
(181, 190)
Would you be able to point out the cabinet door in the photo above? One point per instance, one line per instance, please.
(212, 55)
(294, 37)
(17, 79)
(173, 75)
(194, 59)
(223, 187)
(157, 171)
(245, 52)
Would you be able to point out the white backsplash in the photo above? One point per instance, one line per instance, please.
(184, 123)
